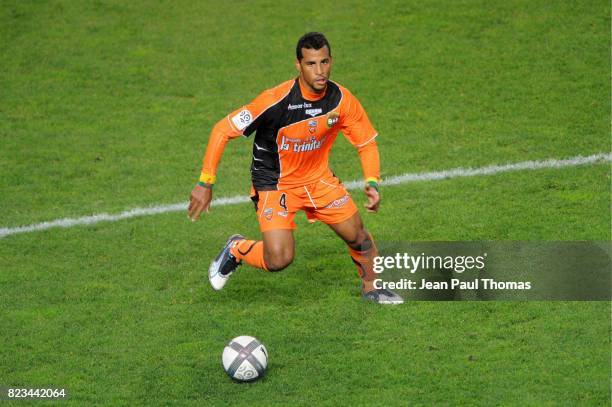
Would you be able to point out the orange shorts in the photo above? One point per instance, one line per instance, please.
(326, 200)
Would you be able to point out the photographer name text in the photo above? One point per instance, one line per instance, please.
(452, 284)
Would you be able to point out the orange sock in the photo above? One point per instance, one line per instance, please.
(364, 260)
(251, 252)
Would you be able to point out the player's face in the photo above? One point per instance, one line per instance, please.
(314, 68)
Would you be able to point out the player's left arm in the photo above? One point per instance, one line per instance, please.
(358, 129)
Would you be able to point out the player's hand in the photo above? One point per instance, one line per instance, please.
(373, 199)
(199, 202)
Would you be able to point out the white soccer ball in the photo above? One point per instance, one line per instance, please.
(245, 359)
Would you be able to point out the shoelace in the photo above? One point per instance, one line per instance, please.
(230, 266)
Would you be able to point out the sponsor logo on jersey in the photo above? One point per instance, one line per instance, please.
(242, 119)
(313, 112)
(283, 214)
(332, 118)
(338, 203)
(300, 146)
(299, 106)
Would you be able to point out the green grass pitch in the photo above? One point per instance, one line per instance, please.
(107, 105)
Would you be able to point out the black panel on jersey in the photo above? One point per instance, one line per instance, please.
(265, 166)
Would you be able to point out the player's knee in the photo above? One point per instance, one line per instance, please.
(279, 260)
(361, 241)
(276, 264)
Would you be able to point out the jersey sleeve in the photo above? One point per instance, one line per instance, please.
(245, 120)
(358, 129)
(355, 124)
(241, 122)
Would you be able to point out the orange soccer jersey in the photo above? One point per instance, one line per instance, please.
(294, 132)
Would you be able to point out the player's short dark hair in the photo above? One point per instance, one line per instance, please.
(312, 40)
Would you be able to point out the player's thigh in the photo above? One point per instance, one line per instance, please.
(279, 248)
(334, 206)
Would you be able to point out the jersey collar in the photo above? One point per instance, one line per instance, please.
(308, 95)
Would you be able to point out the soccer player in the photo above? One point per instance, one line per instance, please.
(295, 126)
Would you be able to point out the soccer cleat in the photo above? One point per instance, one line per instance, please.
(383, 296)
(224, 264)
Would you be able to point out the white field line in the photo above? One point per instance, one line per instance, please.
(395, 180)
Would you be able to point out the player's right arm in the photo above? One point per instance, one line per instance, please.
(242, 121)
(231, 126)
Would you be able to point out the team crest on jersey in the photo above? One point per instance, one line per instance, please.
(268, 213)
(332, 118)
(312, 126)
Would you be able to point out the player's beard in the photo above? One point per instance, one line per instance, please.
(319, 86)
